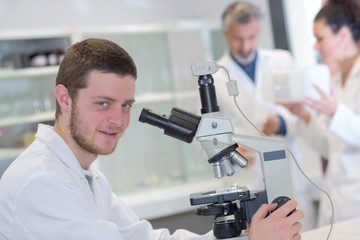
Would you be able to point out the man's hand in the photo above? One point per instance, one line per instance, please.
(278, 225)
(271, 125)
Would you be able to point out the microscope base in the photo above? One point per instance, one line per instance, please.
(242, 237)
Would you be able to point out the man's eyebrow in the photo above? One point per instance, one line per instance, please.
(129, 101)
(104, 98)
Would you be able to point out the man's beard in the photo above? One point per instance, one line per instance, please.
(242, 60)
(83, 139)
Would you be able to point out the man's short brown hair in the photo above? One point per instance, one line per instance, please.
(92, 54)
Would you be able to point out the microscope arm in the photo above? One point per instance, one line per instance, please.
(216, 134)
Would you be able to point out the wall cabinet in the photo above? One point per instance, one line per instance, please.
(144, 159)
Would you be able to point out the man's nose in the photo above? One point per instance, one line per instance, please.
(246, 46)
(116, 117)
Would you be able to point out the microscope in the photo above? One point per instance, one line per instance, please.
(232, 207)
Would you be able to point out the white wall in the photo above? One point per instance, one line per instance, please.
(20, 14)
(299, 18)
(51, 13)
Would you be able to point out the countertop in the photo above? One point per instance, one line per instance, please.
(347, 230)
(168, 201)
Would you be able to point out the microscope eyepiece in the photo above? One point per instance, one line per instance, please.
(205, 80)
(180, 124)
(147, 116)
(207, 94)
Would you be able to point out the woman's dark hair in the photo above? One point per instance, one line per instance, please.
(339, 13)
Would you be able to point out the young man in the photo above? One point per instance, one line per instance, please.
(51, 191)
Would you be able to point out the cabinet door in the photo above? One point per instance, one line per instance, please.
(28, 67)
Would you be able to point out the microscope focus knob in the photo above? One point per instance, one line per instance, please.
(226, 229)
(281, 201)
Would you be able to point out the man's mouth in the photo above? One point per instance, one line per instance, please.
(109, 133)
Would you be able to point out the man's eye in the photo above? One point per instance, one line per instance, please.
(126, 106)
(103, 104)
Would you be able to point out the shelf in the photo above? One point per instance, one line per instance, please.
(16, 34)
(167, 26)
(10, 153)
(41, 117)
(28, 72)
(151, 97)
(142, 98)
(172, 200)
(168, 201)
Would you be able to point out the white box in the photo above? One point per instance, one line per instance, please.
(294, 84)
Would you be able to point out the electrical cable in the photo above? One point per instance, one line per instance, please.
(292, 155)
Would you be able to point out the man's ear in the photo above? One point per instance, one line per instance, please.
(63, 98)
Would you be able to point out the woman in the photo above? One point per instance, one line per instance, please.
(336, 132)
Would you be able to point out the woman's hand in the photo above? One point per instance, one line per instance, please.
(326, 104)
(298, 110)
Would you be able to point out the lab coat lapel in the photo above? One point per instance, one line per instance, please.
(264, 62)
(243, 80)
(352, 86)
(59, 147)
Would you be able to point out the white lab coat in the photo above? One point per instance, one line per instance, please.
(44, 195)
(256, 109)
(338, 138)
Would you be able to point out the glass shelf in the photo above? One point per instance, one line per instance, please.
(140, 99)
(28, 72)
(28, 33)
(7, 153)
(151, 97)
(16, 120)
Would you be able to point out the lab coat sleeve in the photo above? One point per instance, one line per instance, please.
(131, 227)
(315, 133)
(345, 125)
(69, 216)
(290, 121)
(50, 208)
(282, 59)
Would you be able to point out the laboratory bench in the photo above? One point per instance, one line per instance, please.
(168, 201)
(346, 230)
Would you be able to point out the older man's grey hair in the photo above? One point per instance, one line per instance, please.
(240, 12)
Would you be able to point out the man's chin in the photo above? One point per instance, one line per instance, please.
(106, 152)
(244, 58)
